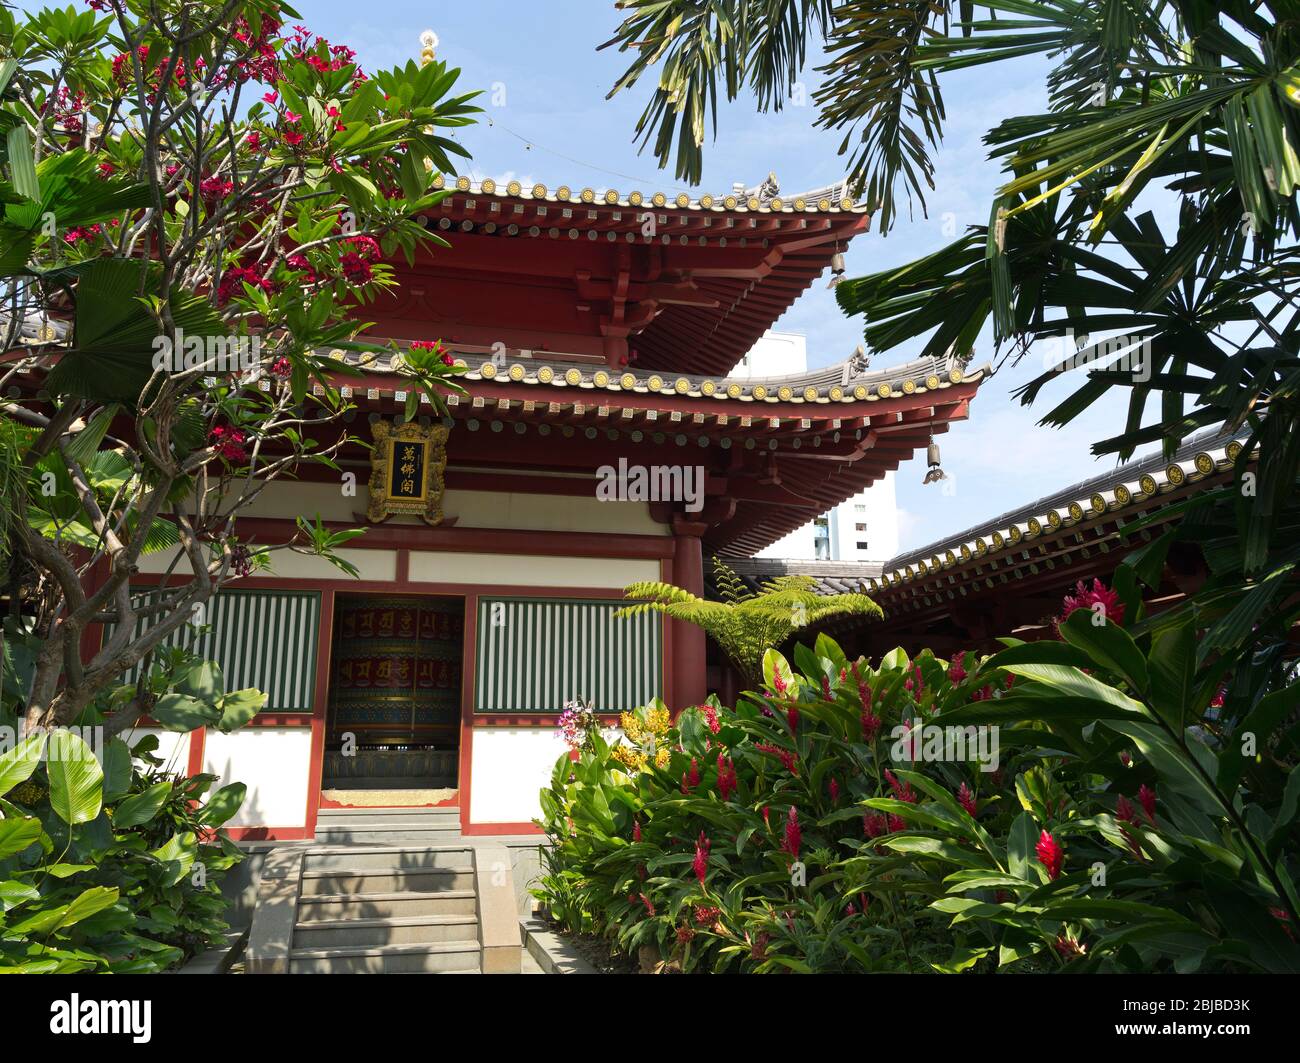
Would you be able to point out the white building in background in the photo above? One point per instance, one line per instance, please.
(862, 528)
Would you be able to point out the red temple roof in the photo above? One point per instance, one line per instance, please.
(675, 285)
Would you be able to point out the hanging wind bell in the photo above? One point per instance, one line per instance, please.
(837, 267)
(934, 474)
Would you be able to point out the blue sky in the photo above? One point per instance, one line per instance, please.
(545, 92)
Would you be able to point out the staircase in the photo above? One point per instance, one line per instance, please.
(388, 826)
(388, 891)
(387, 909)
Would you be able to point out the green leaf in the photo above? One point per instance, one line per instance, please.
(76, 779)
(179, 712)
(1286, 814)
(203, 681)
(1020, 846)
(17, 765)
(238, 707)
(222, 805)
(17, 834)
(117, 769)
(1109, 645)
(22, 162)
(14, 893)
(1173, 672)
(141, 808)
(178, 854)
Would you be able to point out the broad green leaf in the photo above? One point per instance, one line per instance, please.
(76, 779)
(223, 804)
(117, 769)
(202, 681)
(1109, 645)
(179, 712)
(141, 808)
(1020, 845)
(17, 834)
(17, 764)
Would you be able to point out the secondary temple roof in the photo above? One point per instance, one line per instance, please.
(1014, 568)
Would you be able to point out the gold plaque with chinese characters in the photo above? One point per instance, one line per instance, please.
(406, 471)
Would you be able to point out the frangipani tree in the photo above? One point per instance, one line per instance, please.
(745, 624)
(196, 200)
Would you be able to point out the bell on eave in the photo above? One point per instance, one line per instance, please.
(935, 474)
(837, 269)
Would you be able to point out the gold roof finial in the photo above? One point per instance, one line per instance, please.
(428, 42)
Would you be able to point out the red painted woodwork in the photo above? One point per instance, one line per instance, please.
(688, 679)
(693, 295)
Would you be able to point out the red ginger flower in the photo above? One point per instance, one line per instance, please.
(636, 830)
(649, 905)
(896, 823)
(826, 688)
(902, 791)
(701, 863)
(1124, 810)
(1147, 797)
(1050, 854)
(1111, 608)
(727, 780)
(967, 799)
(874, 825)
(834, 788)
(870, 725)
(793, 835)
(711, 717)
(1068, 947)
(779, 683)
(691, 779)
(957, 667)
(787, 758)
(792, 717)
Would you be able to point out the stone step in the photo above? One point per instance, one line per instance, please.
(382, 905)
(390, 930)
(386, 857)
(388, 832)
(400, 812)
(369, 882)
(448, 957)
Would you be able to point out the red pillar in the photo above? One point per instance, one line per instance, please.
(686, 677)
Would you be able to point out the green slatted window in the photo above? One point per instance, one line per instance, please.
(534, 654)
(262, 639)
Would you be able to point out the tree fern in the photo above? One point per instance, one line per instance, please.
(746, 624)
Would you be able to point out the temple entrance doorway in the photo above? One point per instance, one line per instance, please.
(393, 717)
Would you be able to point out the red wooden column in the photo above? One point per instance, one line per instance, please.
(687, 679)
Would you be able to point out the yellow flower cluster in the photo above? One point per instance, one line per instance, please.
(632, 727)
(630, 757)
(656, 723)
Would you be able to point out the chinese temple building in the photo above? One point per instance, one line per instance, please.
(598, 330)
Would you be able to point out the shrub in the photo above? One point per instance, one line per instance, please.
(108, 868)
(825, 825)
